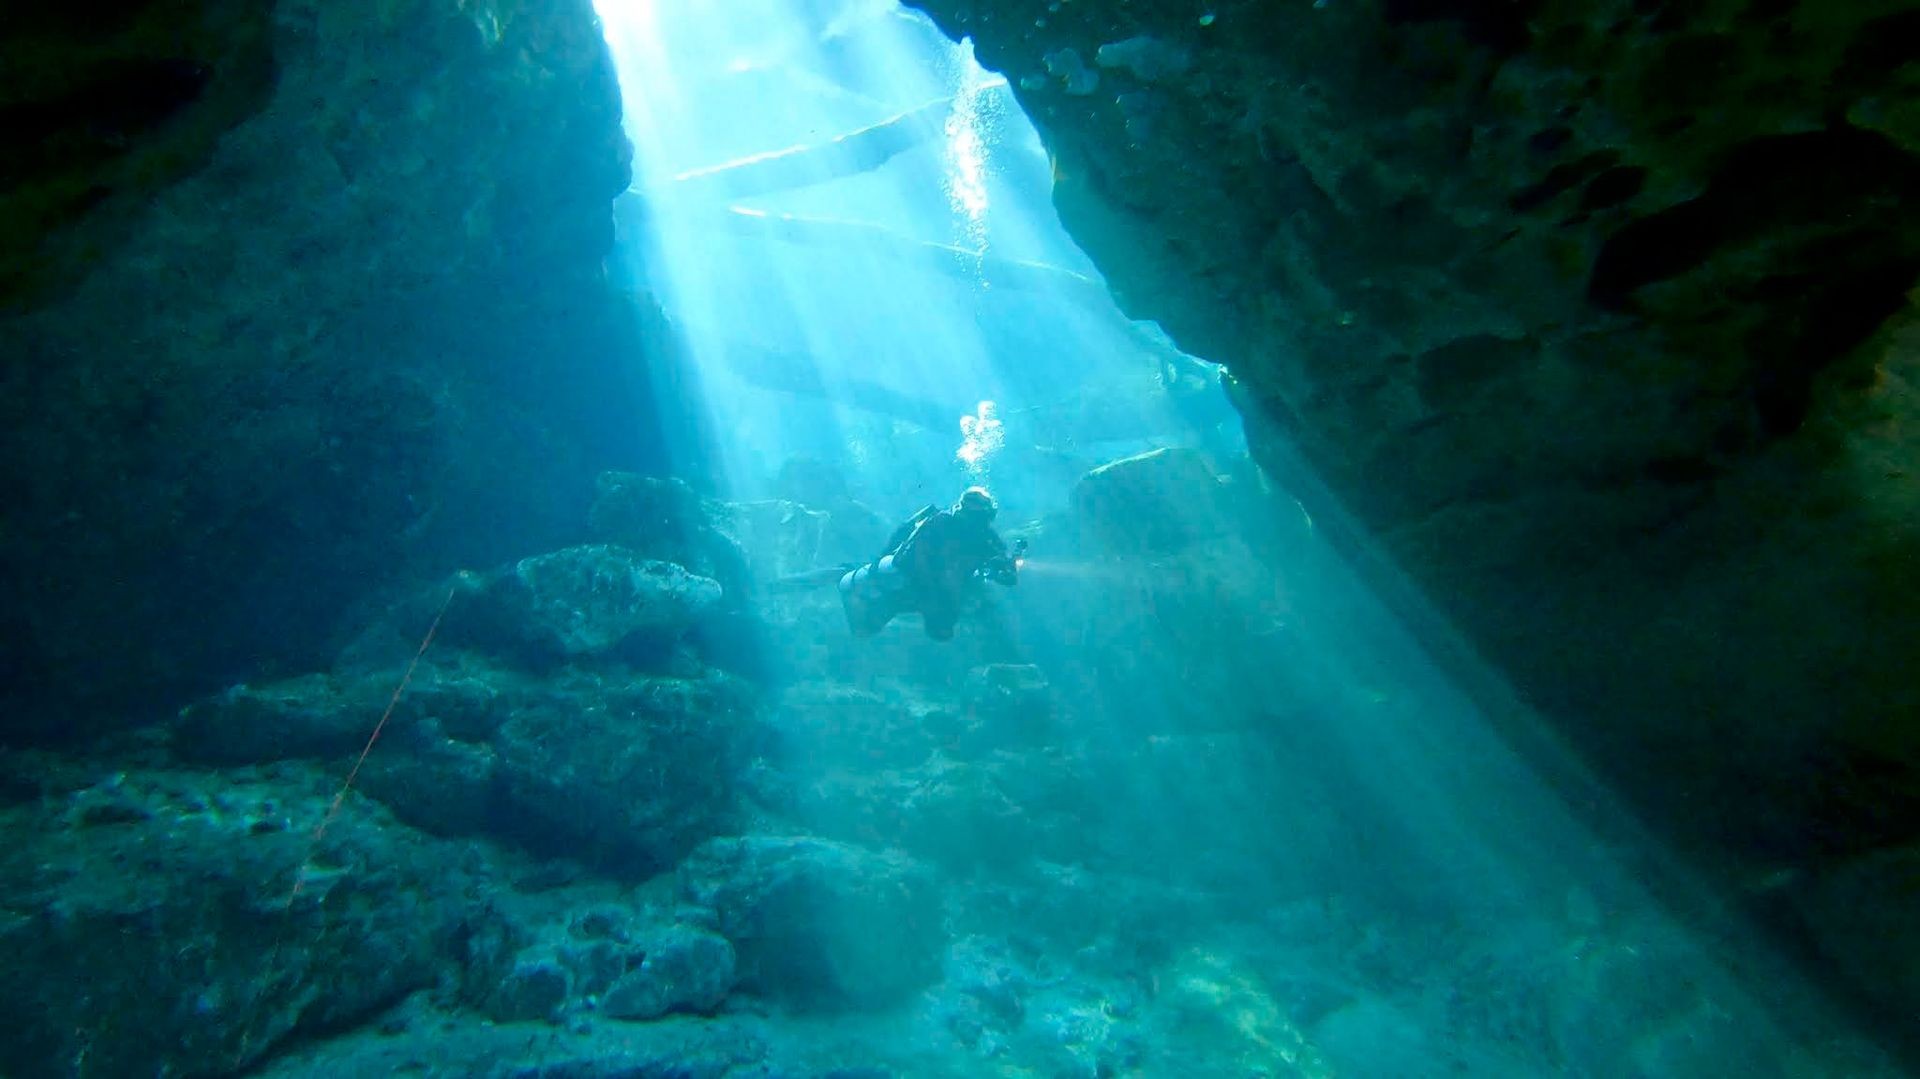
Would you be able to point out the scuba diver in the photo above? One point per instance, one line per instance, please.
(929, 563)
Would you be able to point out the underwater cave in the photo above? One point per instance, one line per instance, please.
(825, 538)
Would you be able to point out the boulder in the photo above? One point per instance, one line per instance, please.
(819, 922)
(584, 601)
(627, 775)
(665, 519)
(587, 603)
(310, 716)
(622, 960)
(685, 969)
(854, 532)
(1150, 503)
(962, 817)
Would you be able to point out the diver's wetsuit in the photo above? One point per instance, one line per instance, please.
(926, 568)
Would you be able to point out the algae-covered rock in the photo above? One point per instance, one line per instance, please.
(195, 921)
(820, 922)
(535, 987)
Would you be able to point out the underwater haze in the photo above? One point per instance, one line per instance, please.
(1153, 768)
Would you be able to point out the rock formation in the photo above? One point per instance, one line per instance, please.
(901, 859)
(1596, 318)
(289, 295)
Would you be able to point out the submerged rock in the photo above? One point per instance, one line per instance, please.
(621, 960)
(624, 771)
(1008, 705)
(666, 519)
(684, 969)
(535, 987)
(310, 716)
(822, 725)
(583, 601)
(743, 545)
(194, 921)
(854, 532)
(321, 715)
(963, 785)
(819, 922)
(627, 776)
(1151, 503)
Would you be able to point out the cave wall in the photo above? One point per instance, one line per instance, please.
(294, 298)
(1598, 318)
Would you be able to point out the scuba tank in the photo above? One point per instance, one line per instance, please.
(875, 580)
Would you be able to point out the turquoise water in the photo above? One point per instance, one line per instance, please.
(1210, 791)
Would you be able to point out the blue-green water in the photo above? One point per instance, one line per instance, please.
(1208, 792)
